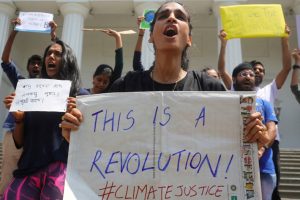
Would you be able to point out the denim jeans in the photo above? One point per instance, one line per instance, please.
(268, 184)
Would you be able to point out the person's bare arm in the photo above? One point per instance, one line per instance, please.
(295, 74)
(296, 56)
(53, 26)
(139, 42)
(286, 60)
(136, 62)
(8, 46)
(226, 77)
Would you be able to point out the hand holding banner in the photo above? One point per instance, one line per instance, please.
(34, 22)
(41, 95)
(161, 145)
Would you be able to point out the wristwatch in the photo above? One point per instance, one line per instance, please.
(296, 66)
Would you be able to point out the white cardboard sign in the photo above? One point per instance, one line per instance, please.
(161, 145)
(34, 22)
(41, 95)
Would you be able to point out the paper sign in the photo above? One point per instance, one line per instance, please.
(41, 95)
(251, 21)
(148, 18)
(34, 22)
(161, 145)
(94, 29)
(104, 30)
(127, 32)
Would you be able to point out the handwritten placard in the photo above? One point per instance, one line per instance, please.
(41, 95)
(34, 22)
(250, 21)
(160, 145)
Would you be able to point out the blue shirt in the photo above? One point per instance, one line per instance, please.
(13, 75)
(266, 164)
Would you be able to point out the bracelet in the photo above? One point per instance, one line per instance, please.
(296, 66)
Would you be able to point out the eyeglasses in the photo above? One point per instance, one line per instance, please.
(55, 53)
(245, 74)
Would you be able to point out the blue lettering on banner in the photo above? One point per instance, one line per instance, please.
(134, 163)
(103, 119)
(201, 117)
(166, 116)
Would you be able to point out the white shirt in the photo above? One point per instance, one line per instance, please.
(269, 93)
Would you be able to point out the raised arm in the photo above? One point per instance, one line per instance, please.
(53, 26)
(295, 74)
(137, 63)
(8, 66)
(138, 46)
(226, 77)
(116, 35)
(119, 54)
(7, 48)
(286, 60)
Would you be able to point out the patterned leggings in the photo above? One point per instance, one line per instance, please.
(47, 183)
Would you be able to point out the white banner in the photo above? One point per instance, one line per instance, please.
(161, 145)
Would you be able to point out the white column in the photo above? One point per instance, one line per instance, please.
(72, 34)
(147, 48)
(6, 13)
(233, 55)
(296, 9)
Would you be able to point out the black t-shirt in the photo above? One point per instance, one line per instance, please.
(43, 141)
(138, 81)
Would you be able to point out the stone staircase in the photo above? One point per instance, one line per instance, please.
(289, 187)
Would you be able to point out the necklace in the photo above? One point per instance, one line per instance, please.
(153, 87)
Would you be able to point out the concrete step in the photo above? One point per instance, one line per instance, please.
(289, 159)
(289, 186)
(289, 164)
(290, 194)
(288, 173)
(290, 180)
(289, 169)
(289, 152)
(289, 156)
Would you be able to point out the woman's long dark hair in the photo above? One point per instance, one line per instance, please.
(68, 69)
(184, 57)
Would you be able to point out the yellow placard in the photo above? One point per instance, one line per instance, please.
(252, 21)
